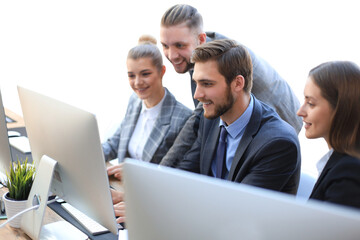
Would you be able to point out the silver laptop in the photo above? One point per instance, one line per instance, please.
(164, 203)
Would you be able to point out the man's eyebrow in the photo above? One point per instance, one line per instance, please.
(174, 43)
(203, 80)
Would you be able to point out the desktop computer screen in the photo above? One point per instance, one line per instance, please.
(70, 136)
(5, 152)
(165, 203)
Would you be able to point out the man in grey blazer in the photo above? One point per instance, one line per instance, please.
(168, 124)
(258, 148)
(181, 31)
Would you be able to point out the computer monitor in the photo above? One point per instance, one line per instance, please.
(164, 203)
(70, 136)
(5, 152)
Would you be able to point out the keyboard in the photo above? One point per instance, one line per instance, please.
(89, 224)
(20, 143)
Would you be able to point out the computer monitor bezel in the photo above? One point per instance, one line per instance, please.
(166, 203)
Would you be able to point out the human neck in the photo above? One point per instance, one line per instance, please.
(240, 105)
(152, 101)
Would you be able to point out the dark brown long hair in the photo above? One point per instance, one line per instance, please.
(339, 82)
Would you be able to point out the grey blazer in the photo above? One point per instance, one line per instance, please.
(168, 124)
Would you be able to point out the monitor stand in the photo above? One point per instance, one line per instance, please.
(31, 222)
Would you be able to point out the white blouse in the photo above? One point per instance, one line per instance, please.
(143, 128)
(322, 162)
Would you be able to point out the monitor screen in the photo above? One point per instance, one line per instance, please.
(70, 136)
(165, 203)
(5, 152)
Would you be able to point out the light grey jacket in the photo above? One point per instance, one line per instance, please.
(168, 124)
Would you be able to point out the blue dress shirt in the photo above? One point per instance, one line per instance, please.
(235, 132)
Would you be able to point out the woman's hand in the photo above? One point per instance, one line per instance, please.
(119, 209)
(117, 196)
(116, 171)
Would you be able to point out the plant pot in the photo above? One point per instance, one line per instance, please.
(13, 207)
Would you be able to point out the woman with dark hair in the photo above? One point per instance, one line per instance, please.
(331, 110)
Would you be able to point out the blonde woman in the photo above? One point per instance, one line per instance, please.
(153, 118)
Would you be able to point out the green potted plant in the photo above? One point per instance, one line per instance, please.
(19, 182)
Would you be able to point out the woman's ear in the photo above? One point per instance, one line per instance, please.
(163, 70)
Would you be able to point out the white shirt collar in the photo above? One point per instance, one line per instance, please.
(153, 112)
(322, 162)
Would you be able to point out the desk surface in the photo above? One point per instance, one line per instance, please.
(10, 233)
(18, 120)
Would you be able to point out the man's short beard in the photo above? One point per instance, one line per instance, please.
(221, 109)
(189, 66)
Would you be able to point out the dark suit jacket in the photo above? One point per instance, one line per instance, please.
(268, 155)
(168, 124)
(339, 182)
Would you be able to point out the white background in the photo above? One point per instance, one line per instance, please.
(76, 50)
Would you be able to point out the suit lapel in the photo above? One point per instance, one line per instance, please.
(251, 129)
(331, 162)
(161, 127)
(210, 146)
